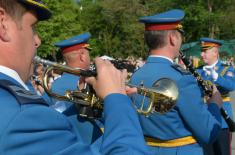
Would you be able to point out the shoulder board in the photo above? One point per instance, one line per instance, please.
(22, 96)
(180, 69)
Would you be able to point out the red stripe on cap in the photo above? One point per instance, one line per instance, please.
(207, 44)
(162, 26)
(72, 48)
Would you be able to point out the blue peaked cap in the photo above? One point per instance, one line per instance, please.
(82, 38)
(171, 16)
(211, 40)
(208, 43)
(38, 7)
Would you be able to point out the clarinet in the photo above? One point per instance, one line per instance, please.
(118, 64)
(207, 87)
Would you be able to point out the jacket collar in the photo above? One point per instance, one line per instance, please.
(158, 59)
(6, 77)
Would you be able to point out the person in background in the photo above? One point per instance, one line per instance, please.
(35, 82)
(222, 75)
(75, 51)
(37, 78)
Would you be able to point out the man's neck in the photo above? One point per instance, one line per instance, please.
(213, 63)
(164, 53)
(161, 56)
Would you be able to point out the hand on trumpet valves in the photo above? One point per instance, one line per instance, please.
(216, 97)
(109, 79)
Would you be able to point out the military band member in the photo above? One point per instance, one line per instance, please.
(222, 76)
(75, 52)
(28, 125)
(191, 122)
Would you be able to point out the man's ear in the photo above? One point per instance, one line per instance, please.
(172, 38)
(82, 55)
(3, 26)
(215, 51)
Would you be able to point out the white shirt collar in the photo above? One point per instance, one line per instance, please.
(13, 74)
(160, 56)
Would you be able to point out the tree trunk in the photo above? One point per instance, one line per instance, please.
(212, 26)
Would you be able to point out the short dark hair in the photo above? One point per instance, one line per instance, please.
(13, 8)
(156, 39)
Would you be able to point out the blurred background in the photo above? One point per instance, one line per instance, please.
(116, 31)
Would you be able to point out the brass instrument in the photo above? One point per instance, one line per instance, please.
(162, 95)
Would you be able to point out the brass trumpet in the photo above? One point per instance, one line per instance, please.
(162, 95)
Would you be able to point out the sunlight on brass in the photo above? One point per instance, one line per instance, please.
(162, 97)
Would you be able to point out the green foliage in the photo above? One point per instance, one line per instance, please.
(63, 24)
(114, 24)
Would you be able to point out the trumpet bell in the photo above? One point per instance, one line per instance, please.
(160, 98)
(166, 95)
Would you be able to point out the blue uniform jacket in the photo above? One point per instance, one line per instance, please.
(88, 129)
(190, 116)
(225, 83)
(35, 129)
(63, 83)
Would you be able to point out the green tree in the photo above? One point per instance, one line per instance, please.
(114, 24)
(63, 24)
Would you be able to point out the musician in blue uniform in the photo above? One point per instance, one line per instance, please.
(28, 125)
(191, 122)
(222, 76)
(75, 52)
